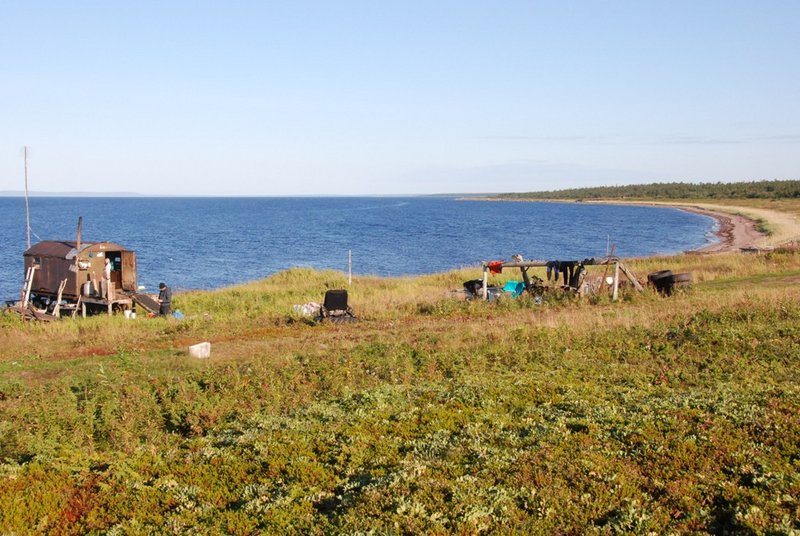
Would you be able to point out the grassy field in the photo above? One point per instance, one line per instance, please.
(431, 415)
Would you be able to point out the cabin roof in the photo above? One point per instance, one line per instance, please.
(63, 248)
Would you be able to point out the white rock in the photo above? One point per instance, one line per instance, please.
(200, 350)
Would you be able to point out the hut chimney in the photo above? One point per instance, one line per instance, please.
(78, 241)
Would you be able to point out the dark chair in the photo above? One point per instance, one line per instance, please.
(335, 308)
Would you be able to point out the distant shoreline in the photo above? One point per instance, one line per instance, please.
(734, 230)
(15, 193)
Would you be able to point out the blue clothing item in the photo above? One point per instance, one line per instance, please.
(514, 288)
(552, 268)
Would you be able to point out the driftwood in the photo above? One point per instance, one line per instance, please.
(40, 315)
(30, 313)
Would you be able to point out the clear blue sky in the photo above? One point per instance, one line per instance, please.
(300, 98)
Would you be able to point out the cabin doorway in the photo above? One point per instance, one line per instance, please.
(116, 267)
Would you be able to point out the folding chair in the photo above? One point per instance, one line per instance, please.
(335, 308)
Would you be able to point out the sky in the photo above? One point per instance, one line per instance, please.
(380, 98)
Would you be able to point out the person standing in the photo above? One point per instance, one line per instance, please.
(165, 299)
(105, 284)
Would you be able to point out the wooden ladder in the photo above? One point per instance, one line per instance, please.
(26, 290)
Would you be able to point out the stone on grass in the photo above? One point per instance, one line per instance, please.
(200, 350)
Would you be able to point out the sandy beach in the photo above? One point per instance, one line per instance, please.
(734, 231)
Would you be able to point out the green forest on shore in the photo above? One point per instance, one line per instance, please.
(772, 189)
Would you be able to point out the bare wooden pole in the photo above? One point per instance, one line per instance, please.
(78, 255)
(27, 206)
(485, 285)
(349, 267)
(78, 238)
(615, 291)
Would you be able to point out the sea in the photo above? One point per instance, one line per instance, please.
(209, 243)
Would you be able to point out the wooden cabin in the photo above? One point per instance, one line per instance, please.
(81, 264)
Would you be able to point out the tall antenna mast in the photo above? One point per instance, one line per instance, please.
(27, 207)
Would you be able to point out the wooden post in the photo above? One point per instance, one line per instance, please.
(615, 292)
(485, 282)
(525, 279)
(349, 267)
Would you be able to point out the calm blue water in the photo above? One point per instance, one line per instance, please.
(212, 242)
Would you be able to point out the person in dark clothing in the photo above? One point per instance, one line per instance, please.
(165, 299)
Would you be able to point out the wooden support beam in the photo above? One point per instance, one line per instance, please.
(525, 279)
(485, 281)
(57, 307)
(631, 277)
(615, 291)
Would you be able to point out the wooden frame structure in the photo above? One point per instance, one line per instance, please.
(523, 266)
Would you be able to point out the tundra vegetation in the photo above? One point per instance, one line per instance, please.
(431, 415)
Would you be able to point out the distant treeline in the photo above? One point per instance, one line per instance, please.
(674, 190)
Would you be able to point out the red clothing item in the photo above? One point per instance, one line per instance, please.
(496, 267)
